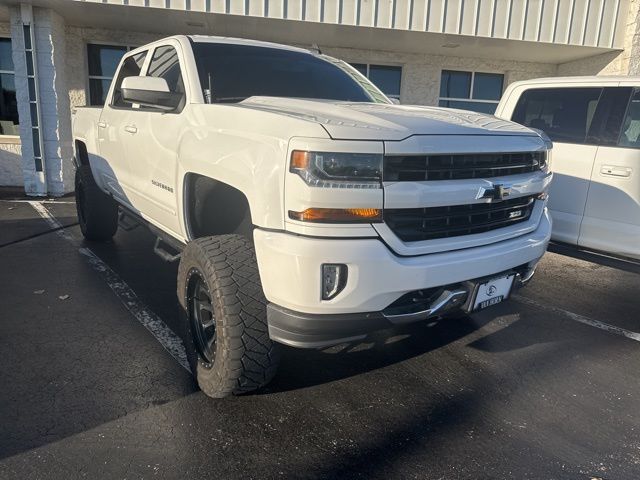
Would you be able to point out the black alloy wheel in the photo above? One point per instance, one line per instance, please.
(201, 317)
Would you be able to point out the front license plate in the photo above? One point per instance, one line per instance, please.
(493, 291)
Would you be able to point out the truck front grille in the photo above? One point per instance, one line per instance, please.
(416, 224)
(417, 168)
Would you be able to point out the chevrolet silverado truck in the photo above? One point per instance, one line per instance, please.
(305, 208)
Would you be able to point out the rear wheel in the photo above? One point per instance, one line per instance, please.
(219, 289)
(97, 211)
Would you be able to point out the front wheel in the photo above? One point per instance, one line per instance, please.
(221, 298)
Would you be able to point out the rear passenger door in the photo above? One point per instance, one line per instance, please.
(565, 115)
(612, 214)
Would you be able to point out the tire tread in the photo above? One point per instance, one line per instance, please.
(246, 358)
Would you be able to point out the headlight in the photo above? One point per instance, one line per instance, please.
(338, 170)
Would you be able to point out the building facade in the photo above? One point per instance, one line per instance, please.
(56, 55)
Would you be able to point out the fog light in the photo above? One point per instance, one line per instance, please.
(334, 279)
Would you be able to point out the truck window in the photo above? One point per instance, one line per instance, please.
(630, 135)
(232, 73)
(565, 114)
(165, 64)
(131, 67)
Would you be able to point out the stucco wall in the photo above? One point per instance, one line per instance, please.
(421, 73)
(10, 164)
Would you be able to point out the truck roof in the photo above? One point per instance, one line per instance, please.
(244, 41)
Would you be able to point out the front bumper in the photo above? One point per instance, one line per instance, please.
(290, 272)
(304, 330)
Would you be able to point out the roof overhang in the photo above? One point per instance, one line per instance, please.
(163, 21)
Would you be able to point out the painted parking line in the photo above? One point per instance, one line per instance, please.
(152, 322)
(579, 318)
(67, 202)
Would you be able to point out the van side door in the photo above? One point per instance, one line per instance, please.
(612, 214)
(565, 115)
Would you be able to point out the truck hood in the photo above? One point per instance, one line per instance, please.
(376, 121)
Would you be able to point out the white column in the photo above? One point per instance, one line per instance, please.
(38, 44)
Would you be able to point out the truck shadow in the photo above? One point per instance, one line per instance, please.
(380, 349)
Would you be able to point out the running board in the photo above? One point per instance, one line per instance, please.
(160, 250)
(126, 221)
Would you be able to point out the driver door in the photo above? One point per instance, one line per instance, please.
(152, 144)
(111, 167)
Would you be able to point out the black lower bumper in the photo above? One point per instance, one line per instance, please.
(307, 330)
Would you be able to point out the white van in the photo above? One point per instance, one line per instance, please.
(594, 123)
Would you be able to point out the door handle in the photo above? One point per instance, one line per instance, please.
(615, 171)
(102, 124)
(130, 128)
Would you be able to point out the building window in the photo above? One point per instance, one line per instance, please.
(386, 77)
(475, 91)
(8, 103)
(103, 62)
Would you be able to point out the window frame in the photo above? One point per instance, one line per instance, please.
(110, 92)
(368, 69)
(4, 137)
(145, 69)
(87, 93)
(634, 91)
(473, 78)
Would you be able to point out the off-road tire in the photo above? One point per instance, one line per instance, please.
(245, 358)
(97, 211)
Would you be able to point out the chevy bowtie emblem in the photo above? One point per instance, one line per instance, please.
(497, 193)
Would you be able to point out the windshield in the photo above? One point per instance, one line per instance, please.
(232, 73)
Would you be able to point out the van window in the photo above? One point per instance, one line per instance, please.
(630, 135)
(607, 121)
(565, 114)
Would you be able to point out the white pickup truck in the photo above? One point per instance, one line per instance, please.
(304, 206)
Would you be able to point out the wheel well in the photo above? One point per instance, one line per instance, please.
(82, 157)
(215, 208)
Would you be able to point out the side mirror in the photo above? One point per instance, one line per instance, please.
(395, 101)
(150, 92)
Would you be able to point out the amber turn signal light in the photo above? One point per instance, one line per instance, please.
(299, 160)
(338, 215)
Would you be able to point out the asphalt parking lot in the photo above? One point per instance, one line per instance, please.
(545, 386)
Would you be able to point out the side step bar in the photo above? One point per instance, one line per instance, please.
(126, 221)
(166, 247)
(160, 250)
